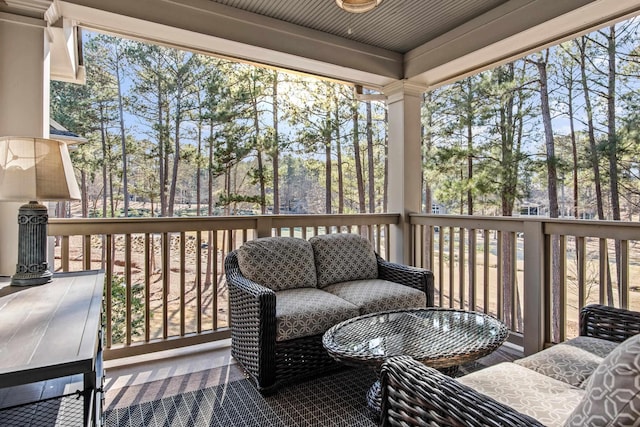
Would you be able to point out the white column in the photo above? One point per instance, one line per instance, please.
(404, 101)
(24, 106)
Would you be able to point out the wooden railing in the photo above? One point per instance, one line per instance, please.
(164, 277)
(165, 284)
(506, 267)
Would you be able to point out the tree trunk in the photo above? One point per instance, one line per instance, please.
(275, 149)
(85, 195)
(385, 195)
(105, 160)
(574, 151)
(427, 145)
(123, 139)
(595, 161)
(161, 149)
(261, 180)
(212, 234)
(469, 118)
(552, 182)
(339, 159)
(612, 148)
(327, 176)
(176, 148)
(199, 157)
(358, 160)
(370, 166)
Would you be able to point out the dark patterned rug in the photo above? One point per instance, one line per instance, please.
(334, 400)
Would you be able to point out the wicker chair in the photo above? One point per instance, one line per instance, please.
(416, 395)
(255, 342)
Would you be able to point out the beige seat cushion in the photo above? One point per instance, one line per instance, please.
(343, 257)
(546, 399)
(305, 312)
(612, 394)
(374, 295)
(572, 361)
(278, 262)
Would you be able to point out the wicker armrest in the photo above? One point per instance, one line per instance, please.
(253, 322)
(416, 395)
(609, 323)
(418, 278)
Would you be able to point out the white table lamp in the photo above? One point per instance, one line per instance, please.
(34, 169)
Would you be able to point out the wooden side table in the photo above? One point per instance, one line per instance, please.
(53, 331)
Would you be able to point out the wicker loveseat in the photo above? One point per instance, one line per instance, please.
(592, 380)
(286, 292)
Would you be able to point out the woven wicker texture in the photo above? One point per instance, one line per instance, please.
(439, 338)
(415, 395)
(253, 327)
(609, 323)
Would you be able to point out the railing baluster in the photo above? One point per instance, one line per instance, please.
(624, 273)
(487, 237)
(214, 281)
(499, 283)
(604, 265)
(461, 264)
(582, 271)
(429, 247)
(198, 281)
(86, 252)
(515, 295)
(562, 313)
(64, 249)
(441, 264)
(183, 290)
(472, 262)
(452, 255)
(129, 286)
(166, 271)
(109, 290)
(148, 250)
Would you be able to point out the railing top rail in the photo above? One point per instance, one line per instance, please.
(470, 221)
(89, 226)
(334, 219)
(621, 230)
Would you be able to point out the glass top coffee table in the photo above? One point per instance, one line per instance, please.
(439, 338)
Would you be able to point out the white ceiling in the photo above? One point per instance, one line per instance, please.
(397, 25)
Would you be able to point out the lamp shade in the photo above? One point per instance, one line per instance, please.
(36, 169)
(358, 6)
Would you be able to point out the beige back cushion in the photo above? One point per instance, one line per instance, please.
(278, 262)
(612, 394)
(342, 257)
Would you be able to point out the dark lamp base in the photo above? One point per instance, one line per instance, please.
(31, 279)
(32, 268)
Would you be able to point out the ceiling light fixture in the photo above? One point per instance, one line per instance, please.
(358, 6)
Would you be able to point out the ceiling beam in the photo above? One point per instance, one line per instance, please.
(509, 32)
(210, 27)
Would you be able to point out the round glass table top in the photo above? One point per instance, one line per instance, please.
(438, 337)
